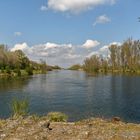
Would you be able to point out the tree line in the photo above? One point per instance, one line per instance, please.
(17, 63)
(122, 58)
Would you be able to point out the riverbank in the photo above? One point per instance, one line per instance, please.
(22, 73)
(36, 128)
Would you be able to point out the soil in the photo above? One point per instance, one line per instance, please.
(39, 128)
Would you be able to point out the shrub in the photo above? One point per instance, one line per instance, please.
(57, 117)
(2, 69)
(18, 72)
(29, 70)
(75, 67)
(20, 107)
(8, 70)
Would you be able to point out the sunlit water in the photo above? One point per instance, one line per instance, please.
(76, 94)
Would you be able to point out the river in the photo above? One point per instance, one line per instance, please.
(76, 94)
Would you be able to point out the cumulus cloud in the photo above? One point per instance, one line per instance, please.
(22, 47)
(91, 44)
(101, 20)
(74, 6)
(52, 49)
(103, 51)
(17, 33)
(63, 54)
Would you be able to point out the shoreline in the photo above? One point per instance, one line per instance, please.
(33, 127)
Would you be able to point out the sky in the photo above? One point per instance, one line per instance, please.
(65, 32)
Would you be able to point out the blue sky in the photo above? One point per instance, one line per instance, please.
(32, 23)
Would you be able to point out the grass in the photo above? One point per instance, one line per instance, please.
(35, 117)
(57, 117)
(20, 107)
(2, 123)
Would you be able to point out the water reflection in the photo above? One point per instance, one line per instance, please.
(76, 94)
(7, 84)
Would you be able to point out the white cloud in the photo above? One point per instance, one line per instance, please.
(115, 43)
(91, 44)
(22, 47)
(92, 53)
(104, 51)
(102, 20)
(74, 6)
(55, 54)
(104, 48)
(17, 33)
(63, 54)
(50, 45)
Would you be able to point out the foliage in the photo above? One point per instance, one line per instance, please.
(43, 66)
(123, 58)
(8, 70)
(15, 62)
(92, 64)
(29, 70)
(20, 107)
(75, 67)
(56, 67)
(18, 72)
(57, 117)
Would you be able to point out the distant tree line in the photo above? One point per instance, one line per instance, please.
(17, 63)
(123, 58)
(75, 67)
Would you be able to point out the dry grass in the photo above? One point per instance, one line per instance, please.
(31, 128)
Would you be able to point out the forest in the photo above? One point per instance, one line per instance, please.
(123, 58)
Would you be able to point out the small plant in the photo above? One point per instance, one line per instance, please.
(35, 117)
(57, 117)
(2, 123)
(20, 107)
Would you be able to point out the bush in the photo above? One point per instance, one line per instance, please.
(57, 117)
(75, 67)
(2, 69)
(18, 72)
(29, 70)
(8, 70)
(20, 107)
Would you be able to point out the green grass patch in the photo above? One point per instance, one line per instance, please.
(57, 117)
(19, 107)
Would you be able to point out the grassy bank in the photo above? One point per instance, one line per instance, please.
(76, 67)
(20, 73)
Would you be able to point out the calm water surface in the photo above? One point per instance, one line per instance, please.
(76, 94)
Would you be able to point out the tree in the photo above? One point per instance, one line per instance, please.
(124, 57)
(113, 56)
(23, 61)
(43, 66)
(92, 64)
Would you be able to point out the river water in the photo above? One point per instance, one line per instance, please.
(76, 94)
